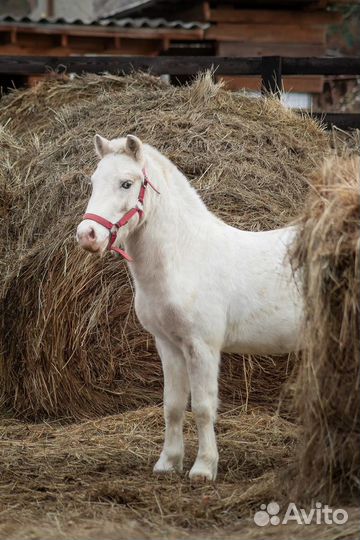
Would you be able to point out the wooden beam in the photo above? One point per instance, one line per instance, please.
(104, 31)
(236, 49)
(206, 11)
(266, 16)
(50, 8)
(42, 42)
(264, 33)
(13, 36)
(340, 120)
(128, 47)
(172, 65)
(14, 51)
(312, 84)
(10, 49)
(322, 66)
(342, 2)
(165, 44)
(181, 65)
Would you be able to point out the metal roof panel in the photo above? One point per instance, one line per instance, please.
(127, 22)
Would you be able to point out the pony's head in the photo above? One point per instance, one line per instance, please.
(116, 184)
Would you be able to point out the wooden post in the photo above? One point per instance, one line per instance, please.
(271, 75)
(50, 8)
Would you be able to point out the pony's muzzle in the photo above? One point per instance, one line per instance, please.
(87, 237)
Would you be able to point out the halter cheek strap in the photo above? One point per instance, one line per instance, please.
(114, 227)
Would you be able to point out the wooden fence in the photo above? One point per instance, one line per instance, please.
(270, 68)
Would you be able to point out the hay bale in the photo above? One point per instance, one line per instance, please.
(327, 386)
(71, 345)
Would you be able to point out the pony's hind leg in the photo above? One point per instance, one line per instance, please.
(203, 366)
(176, 394)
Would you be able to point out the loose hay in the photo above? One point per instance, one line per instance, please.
(112, 456)
(327, 387)
(93, 480)
(71, 345)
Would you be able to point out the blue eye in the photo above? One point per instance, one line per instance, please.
(126, 184)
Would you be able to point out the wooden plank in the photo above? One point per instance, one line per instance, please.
(172, 65)
(341, 120)
(312, 84)
(265, 33)
(150, 49)
(322, 66)
(136, 47)
(182, 65)
(104, 31)
(263, 16)
(236, 49)
(206, 10)
(13, 36)
(343, 2)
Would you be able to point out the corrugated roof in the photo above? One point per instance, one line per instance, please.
(44, 20)
(122, 23)
(153, 23)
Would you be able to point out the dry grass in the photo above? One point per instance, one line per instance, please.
(71, 344)
(327, 387)
(93, 480)
(113, 456)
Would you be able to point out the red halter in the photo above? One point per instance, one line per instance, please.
(114, 227)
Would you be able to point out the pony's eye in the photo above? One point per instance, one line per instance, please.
(126, 184)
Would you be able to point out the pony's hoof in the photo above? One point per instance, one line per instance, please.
(200, 475)
(163, 470)
(165, 466)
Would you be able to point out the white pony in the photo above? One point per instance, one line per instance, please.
(202, 287)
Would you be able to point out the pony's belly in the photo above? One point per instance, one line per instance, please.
(274, 342)
(260, 348)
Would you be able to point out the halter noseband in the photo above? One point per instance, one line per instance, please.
(114, 227)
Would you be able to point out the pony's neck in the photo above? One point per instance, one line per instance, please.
(172, 219)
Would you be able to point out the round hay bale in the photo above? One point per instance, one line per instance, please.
(71, 344)
(327, 384)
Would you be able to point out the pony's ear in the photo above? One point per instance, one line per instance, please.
(134, 147)
(102, 146)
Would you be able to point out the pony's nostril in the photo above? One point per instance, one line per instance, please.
(92, 234)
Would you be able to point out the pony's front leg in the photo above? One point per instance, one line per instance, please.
(203, 367)
(176, 394)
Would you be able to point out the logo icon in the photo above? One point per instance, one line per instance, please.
(267, 514)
